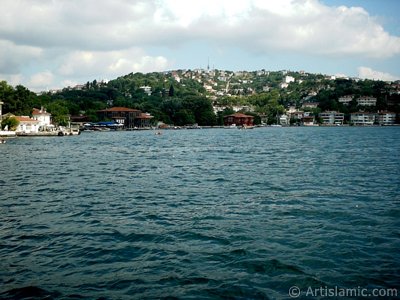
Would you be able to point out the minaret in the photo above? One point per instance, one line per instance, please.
(208, 65)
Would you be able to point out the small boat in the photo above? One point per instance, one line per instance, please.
(232, 126)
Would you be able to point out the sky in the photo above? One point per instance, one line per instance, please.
(51, 44)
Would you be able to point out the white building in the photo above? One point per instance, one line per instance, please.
(289, 79)
(362, 118)
(386, 118)
(310, 105)
(284, 120)
(332, 118)
(43, 117)
(345, 100)
(366, 101)
(146, 89)
(27, 125)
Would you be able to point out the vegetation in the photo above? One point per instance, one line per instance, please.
(185, 97)
(11, 123)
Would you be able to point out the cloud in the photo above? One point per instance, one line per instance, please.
(13, 57)
(42, 79)
(110, 63)
(368, 73)
(302, 25)
(74, 40)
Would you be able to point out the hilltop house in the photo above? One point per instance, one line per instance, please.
(310, 105)
(345, 100)
(366, 101)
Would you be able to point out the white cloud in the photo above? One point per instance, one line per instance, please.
(14, 57)
(92, 39)
(368, 73)
(110, 63)
(298, 25)
(42, 79)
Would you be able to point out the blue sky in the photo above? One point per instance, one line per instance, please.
(54, 44)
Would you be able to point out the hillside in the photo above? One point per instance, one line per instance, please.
(203, 96)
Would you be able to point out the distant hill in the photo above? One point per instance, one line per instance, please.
(204, 96)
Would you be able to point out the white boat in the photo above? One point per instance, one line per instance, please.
(232, 126)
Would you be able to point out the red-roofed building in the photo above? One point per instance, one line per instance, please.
(128, 117)
(144, 120)
(43, 117)
(238, 119)
(27, 125)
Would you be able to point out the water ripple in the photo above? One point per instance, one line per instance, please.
(199, 214)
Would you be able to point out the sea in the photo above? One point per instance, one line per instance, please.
(266, 213)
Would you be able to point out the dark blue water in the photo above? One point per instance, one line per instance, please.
(200, 214)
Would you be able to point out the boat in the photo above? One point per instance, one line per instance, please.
(232, 126)
(2, 141)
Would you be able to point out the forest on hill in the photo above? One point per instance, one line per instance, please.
(185, 97)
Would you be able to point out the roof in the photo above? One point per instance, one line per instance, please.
(239, 115)
(145, 116)
(25, 119)
(42, 111)
(119, 109)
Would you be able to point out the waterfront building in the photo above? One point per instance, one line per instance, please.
(238, 119)
(143, 120)
(386, 118)
(284, 120)
(332, 118)
(27, 125)
(362, 118)
(308, 121)
(44, 119)
(129, 118)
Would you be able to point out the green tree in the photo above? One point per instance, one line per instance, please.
(59, 112)
(10, 122)
(184, 117)
(171, 91)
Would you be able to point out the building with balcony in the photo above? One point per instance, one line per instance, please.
(332, 118)
(345, 100)
(121, 115)
(362, 118)
(238, 119)
(366, 101)
(386, 118)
